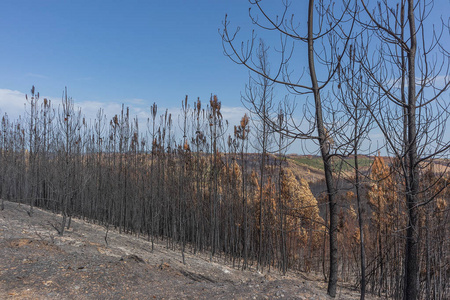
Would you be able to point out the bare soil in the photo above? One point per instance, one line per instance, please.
(37, 263)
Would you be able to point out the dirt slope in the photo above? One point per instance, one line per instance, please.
(36, 263)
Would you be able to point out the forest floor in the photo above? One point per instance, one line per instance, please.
(37, 263)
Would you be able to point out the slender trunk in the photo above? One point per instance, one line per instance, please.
(360, 223)
(324, 245)
(428, 256)
(244, 204)
(261, 201)
(324, 149)
(412, 238)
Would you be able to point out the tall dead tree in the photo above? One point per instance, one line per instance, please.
(258, 100)
(33, 142)
(351, 90)
(327, 29)
(407, 65)
(69, 125)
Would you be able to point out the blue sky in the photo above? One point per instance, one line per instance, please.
(132, 52)
(120, 51)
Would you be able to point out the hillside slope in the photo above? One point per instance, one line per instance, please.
(39, 264)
